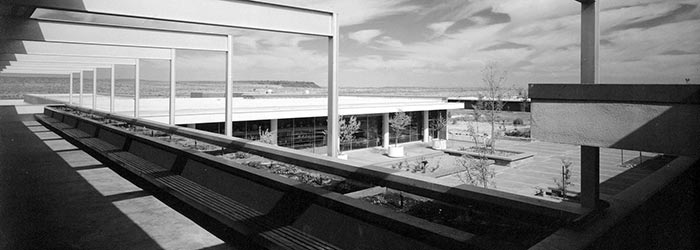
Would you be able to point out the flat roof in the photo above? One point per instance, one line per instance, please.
(207, 110)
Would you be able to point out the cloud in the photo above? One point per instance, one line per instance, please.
(356, 11)
(398, 42)
(662, 14)
(364, 36)
(390, 43)
(505, 45)
(439, 28)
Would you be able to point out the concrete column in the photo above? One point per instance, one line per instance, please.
(385, 130)
(273, 130)
(80, 93)
(137, 85)
(228, 110)
(426, 127)
(333, 126)
(70, 88)
(590, 43)
(111, 91)
(447, 126)
(171, 114)
(94, 89)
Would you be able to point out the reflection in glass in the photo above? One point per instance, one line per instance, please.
(124, 88)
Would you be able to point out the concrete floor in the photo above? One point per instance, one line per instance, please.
(54, 196)
(538, 171)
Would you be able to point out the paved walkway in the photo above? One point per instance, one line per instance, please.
(54, 196)
(539, 171)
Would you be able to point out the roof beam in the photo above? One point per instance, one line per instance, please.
(37, 71)
(50, 31)
(239, 14)
(57, 68)
(66, 59)
(85, 50)
(53, 64)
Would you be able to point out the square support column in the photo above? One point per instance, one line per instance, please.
(426, 126)
(80, 93)
(137, 85)
(94, 89)
(111, 91)
(228, 110)
(333, 126)
(385, 130)
(70, 88)
(171, 113)
(590, 156)
(273, 130)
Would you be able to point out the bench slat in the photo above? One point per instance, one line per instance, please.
(284, 236)
(99, 144)
(135, 163)
(233, 209)
(75, 133)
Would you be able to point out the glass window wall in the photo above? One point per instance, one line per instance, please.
(433, 116)
(413, 132)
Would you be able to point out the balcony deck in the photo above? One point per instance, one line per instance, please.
(56, 196)
(61, 197)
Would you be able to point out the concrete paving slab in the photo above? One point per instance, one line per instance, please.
(47, 135)
(37, 129)
(78, 158)
(59, 145)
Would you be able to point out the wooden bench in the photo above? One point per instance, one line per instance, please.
(99, 144)
(254, 225)
(75, 133)
(272, 211)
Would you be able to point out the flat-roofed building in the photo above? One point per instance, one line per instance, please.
(295, 121)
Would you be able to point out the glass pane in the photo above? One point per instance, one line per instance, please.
(87, 88)
(200, 85)
(303, 133)
(124, 84)
(104, 82)
(284, 132)
(154, 89)
(239, 129)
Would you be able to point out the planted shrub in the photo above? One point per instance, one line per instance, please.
(477, 171)
(565, 180)
(518, 122)
(266, 136)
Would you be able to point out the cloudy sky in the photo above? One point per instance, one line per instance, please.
(446, 43)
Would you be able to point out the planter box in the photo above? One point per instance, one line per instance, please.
(499, 160)
(570, 194)
(396, 151)
(439, 144)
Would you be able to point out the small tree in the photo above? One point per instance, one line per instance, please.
(565, 177)
(398, 123)
(477, 110)
(477, 171)
(266, 136)
(493, 78)
(348, 129)
(438, 125)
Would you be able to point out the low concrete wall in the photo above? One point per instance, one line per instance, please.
(312, 210)
(651, 118)
(34, 99)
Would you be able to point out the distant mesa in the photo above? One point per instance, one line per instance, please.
(285, 84)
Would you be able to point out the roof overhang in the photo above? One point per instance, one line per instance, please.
(135, 29)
